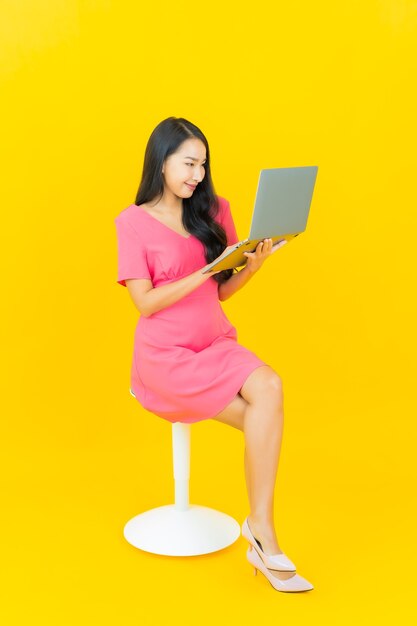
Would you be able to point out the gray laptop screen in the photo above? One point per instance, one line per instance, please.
(283, 201)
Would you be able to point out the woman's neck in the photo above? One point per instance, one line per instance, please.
(169, 203)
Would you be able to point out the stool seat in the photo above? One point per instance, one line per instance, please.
(181, 529)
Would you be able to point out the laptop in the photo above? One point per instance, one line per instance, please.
(282, 206)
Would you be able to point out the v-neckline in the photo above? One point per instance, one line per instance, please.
(162, 224)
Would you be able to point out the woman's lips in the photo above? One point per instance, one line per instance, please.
(191, 186)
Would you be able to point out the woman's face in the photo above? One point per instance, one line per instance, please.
(183, 170)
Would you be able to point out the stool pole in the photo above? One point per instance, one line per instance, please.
(181, 529)
(181, 434)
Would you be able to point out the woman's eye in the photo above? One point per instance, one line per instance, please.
(193, 164)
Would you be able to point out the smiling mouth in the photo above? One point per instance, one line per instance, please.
(191, 186)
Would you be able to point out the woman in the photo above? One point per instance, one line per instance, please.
(187, 363)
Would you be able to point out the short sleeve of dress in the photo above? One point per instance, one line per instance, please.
(131, 253)
(226, 220)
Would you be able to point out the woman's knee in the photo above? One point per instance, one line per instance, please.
(263, 384)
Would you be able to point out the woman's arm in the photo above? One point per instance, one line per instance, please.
(235, 282)
(148, 299)
(264, 249)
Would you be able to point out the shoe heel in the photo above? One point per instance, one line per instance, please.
(294, 584)
(255, 571)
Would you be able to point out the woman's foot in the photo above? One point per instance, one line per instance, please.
(291, 583)
(265, 534)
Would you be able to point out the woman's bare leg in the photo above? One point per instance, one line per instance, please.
(234, 415)
(263, 430)
(258, 412)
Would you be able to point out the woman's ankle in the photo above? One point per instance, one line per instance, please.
(261, 523)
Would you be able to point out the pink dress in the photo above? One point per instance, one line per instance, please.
(187, 364)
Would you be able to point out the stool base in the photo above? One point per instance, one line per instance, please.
(171, 531)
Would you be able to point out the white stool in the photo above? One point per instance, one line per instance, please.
(181, 529)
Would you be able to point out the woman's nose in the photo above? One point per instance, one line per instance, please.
(198, 175)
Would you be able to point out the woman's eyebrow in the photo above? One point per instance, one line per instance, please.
(193, 159)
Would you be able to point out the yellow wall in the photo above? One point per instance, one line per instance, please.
(83, 84)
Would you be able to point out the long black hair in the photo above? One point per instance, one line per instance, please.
(202, 207)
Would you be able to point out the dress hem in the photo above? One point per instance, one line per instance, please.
(211, 416)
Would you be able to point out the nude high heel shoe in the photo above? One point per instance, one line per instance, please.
(295, 583)
(279, 562)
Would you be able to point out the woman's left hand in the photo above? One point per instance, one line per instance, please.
(264, 249)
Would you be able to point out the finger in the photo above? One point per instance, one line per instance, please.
(265, 247)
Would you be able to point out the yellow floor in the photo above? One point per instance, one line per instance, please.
(345, 518)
